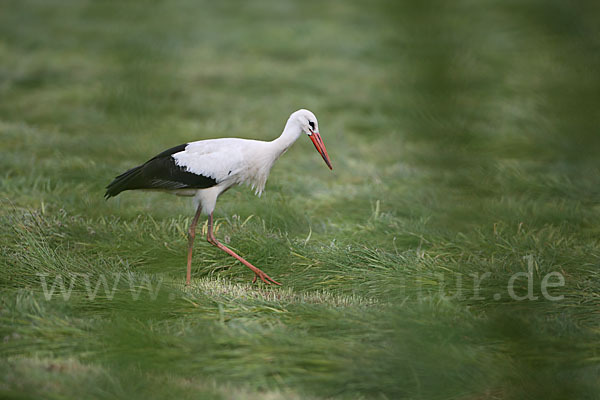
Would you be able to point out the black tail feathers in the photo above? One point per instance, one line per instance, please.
(125, 181)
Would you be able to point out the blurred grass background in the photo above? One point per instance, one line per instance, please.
(464, 137)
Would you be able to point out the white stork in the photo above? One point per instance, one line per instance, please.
(207, 168)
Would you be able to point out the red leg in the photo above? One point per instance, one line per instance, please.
(213, 240)
(191, 236)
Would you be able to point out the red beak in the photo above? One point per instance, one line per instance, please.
(318, 142)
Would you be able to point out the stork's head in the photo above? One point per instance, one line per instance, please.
(309, 124)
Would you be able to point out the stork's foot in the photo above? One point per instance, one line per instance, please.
(264, 277)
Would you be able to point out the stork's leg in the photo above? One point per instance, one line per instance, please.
(213, 240)
(191, 236)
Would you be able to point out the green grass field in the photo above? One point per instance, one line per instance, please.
(464, 138)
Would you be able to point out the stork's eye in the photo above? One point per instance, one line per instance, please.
(312, 124)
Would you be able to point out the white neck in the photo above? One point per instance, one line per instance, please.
(263, 161)
(290, 134)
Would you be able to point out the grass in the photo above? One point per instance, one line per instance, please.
(464, 143)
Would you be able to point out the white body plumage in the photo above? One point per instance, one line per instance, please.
(233, 161)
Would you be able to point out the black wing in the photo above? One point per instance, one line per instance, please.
(160, 172)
